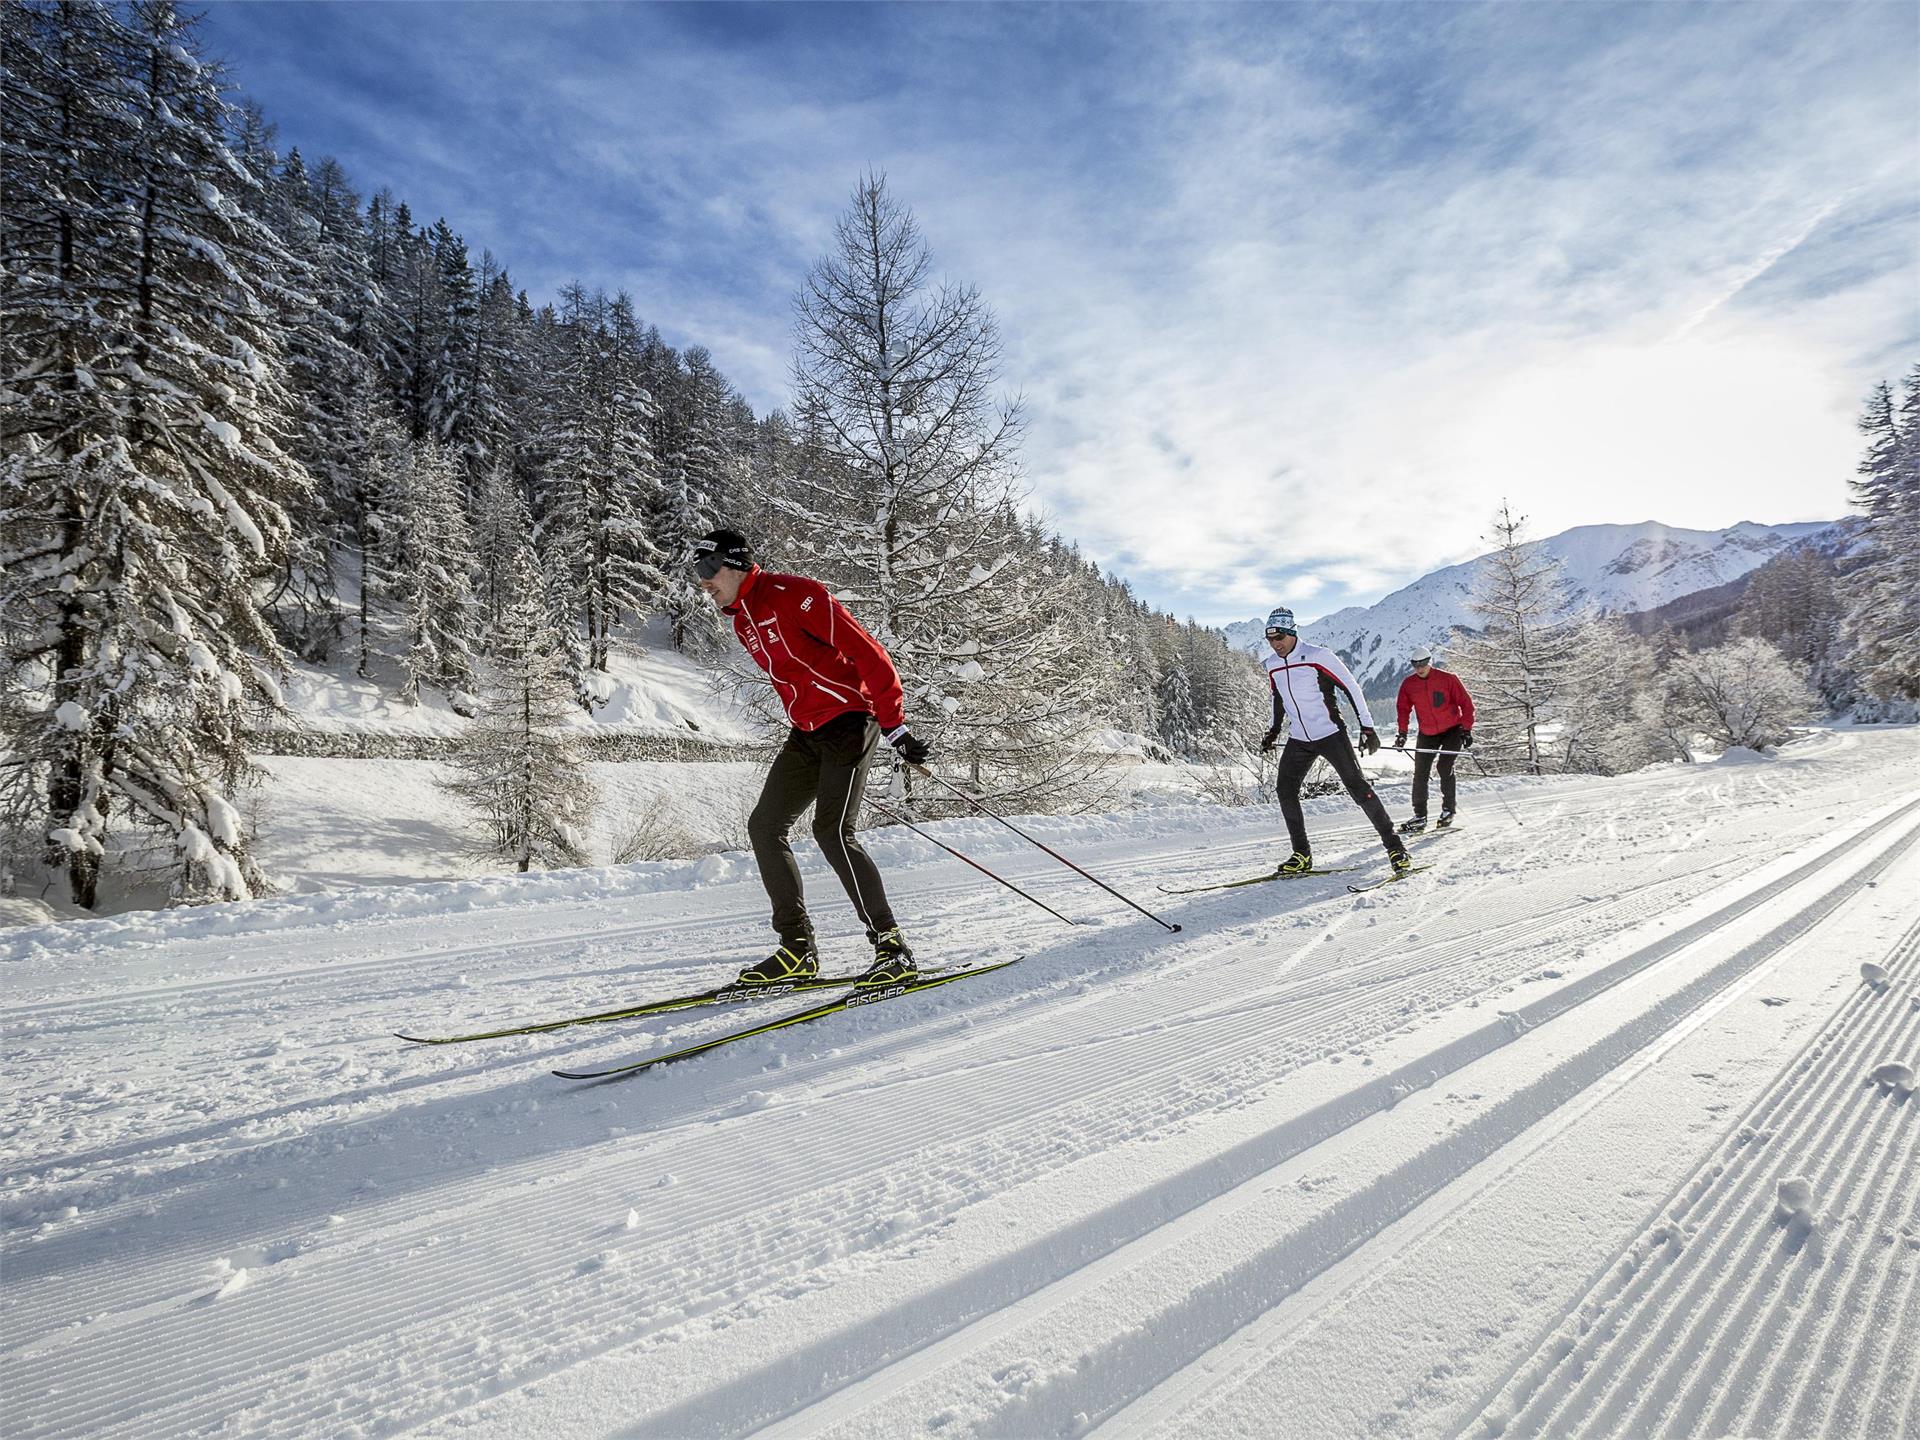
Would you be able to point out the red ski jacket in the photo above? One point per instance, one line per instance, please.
(1441, 701)
(822, 664)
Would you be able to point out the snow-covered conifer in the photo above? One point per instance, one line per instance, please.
(516, 765)
(429, 554)
(500, 528)
(1884, 591)
(146, 472)
(596, 476)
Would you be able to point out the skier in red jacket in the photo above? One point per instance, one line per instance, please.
(840, 693)
(1446, 726)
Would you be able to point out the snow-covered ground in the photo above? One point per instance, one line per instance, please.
(1577, 1133)
(646, 687)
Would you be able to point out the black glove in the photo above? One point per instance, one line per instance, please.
(1369, 740)
(1400, 741)
(908, 746)
(1269, 740)
(1466, 739)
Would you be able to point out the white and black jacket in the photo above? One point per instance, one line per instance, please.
(1307, 684)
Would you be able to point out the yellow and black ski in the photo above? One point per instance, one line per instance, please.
(1259, 879)
(720, 995)
(819, 1012)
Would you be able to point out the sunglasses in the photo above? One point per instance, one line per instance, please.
(708, 565)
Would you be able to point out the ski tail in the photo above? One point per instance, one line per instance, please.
(1388, 880)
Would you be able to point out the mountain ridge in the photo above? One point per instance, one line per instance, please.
(1608, 569)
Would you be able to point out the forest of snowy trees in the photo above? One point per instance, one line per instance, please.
(249, 415)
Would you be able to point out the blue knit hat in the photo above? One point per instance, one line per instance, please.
(1281, 622)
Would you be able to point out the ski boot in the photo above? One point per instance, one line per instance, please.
(1401, 861)
(1446, 819)
(1298, 863)
(794, 960)
(1417, 824)
(892, 961)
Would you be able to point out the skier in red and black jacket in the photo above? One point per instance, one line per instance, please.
(1446, 727)
(840, 692)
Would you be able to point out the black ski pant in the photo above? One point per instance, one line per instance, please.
(1337, 751)
(1423, 758)
(827, 769)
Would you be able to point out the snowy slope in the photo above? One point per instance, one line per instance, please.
(647, 688)
(1607, 568)
(1492, 1151)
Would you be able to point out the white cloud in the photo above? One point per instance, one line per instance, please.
(1295, 293)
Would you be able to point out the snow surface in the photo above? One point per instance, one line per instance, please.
(1494, 1151)
(1608, 568)
(645, 690)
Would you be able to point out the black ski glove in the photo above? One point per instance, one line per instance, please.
(1269, 740)
(908, 746)
(1466, 739)
(1400, 741)
(1369, 740)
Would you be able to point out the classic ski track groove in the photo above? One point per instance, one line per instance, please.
(1125, 1363)
(1688, 1335)
(1318, 995)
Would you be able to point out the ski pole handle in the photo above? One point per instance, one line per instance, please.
(1168, 924)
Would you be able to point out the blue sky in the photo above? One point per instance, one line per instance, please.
(1294, 293)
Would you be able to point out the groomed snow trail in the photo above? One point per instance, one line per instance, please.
(1749, 1316)
(1100, 1185)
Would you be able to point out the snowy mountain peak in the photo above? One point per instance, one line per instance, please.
(1607, 569)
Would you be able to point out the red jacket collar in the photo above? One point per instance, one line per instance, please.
(753, 578)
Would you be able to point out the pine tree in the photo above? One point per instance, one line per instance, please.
(429, 551)
(1517, 664)
(1884, 591)
(596, 472)
(144, 487)
(703, 474)
(500, 528)
(317, 301)
(369, 474)
(515, 765)
(454, 372)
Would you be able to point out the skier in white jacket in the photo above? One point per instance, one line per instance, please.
(1307, 681)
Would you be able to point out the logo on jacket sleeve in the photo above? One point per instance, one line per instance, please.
(807, 604)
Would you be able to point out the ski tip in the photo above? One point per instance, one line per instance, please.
(413, 1039)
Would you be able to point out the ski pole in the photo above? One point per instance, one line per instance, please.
(1496, 794)
(1171, 927)
(902, 820)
